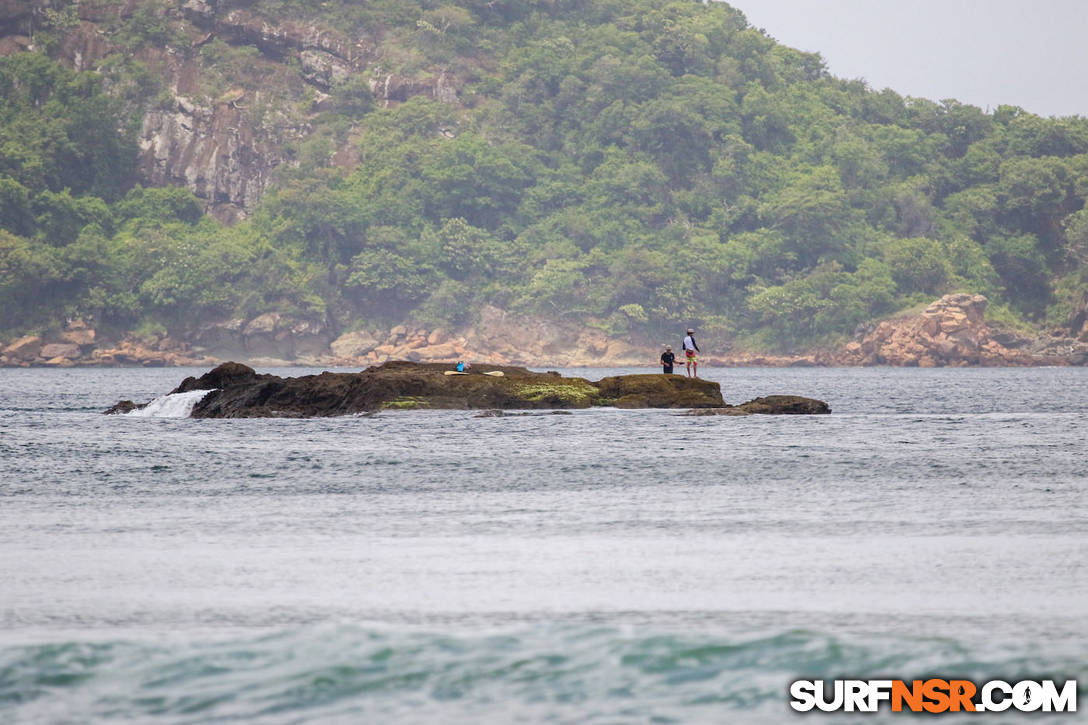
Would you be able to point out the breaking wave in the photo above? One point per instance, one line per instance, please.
(178, 405)
(553, 673)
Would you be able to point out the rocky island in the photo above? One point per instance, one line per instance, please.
(237, 391)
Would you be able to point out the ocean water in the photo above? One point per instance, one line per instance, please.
(603, 566)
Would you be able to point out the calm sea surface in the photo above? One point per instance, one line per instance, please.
(600, 567)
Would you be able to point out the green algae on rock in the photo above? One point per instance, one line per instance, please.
(560, 393)
(660, 391)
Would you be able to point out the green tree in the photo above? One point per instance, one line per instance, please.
(159, 206)
(32, 276)
(59, 218)
(813, 213)
(16, 215)
(465, 252)
(918, 264)
(1023, 271)
(471, 179)
(58, 130)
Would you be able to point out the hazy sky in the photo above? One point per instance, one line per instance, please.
(1028, 53)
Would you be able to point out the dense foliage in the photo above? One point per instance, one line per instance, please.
(638, 166)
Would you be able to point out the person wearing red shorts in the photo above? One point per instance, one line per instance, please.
(690, 348)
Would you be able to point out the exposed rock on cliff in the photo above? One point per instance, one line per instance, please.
(214, 150)
(392, 87)
(221, 150)
(952, 331)
(225, 146)
(245, 27)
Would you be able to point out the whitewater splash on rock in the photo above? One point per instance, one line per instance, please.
(175, 405)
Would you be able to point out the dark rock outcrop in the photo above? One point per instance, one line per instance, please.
(238, 391)
(785, 405)
(661, 391)
(224, 376)
(125, 406)
(770, 405)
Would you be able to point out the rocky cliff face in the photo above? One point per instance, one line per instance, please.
(212, 149)
(222, 128)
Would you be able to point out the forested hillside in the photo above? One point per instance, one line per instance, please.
(632, 166)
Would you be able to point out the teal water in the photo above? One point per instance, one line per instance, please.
(600, 567)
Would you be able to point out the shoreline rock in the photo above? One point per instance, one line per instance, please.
(238, 391)
(950, 332)
(80, 346)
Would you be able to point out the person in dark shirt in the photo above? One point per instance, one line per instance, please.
(667, 359)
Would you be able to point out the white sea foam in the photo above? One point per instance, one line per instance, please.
(178, 405)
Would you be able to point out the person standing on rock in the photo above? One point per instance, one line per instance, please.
(667, 359)
(690, 348)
